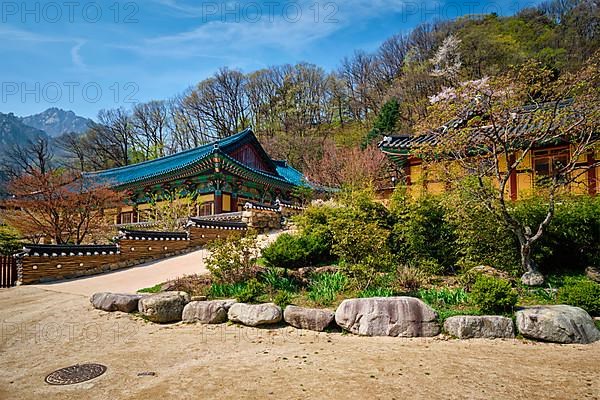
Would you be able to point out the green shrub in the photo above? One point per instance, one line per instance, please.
(443, 297)
(422, 235)
(283, 298)
(249, 292)
(376, 292)
(233, 260)
(581, 293)
(355, 240)
(324, 288)
(480, 237)
(493, 295)
(296, 251)
(10, 243)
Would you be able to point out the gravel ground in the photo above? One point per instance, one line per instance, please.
(45, 330)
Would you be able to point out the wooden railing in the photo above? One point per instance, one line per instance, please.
(8, 271)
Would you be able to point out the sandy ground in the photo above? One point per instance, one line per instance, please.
(45, 330)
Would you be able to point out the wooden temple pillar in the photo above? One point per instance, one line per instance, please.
(218, 201)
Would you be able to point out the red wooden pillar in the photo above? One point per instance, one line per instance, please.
(218, 202)
(592, 178)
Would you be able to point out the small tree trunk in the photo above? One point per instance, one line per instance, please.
(526, 260)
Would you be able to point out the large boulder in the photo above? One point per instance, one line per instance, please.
(487, 327)
(308, 318)
(115, 301)
(387, 316)
(532, 278)
(207, 312)
(255, 315)
(559, 324)
(163, 307)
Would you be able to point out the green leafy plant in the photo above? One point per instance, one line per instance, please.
(274, 280)
(233, 260)
(493, 295)
(376, 292)
(250, 291)
(153, 289)
(324, 288)
(283, 298)
(443, 297)
(581, 292)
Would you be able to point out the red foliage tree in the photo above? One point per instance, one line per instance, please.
(342, 166)
(60, 205)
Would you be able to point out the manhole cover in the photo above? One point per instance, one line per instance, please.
(75, 374)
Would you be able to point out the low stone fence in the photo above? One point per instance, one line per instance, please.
(262, 217)
(45, 263)
(379, 316)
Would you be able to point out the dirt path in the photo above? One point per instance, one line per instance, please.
(142, 276)
(45, 330)
(132, 279)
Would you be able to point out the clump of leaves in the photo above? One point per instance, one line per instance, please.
(324, 288)
(274, 280)
(376, 292)
(443, 297)
(411, 279)
(283, 298)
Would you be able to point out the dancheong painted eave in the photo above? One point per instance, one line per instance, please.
(152, 170)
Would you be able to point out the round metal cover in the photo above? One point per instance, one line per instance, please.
(75, 374)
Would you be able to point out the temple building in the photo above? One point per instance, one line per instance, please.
(221, 177)
(538, 164)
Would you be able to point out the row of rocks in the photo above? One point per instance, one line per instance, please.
(391, 316)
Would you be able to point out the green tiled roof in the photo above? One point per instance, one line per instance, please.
(148, 170)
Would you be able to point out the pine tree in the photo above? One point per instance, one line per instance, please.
(385, 123)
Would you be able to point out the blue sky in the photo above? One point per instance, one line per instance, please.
(89, 55)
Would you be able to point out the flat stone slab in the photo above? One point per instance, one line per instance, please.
(255, 315)
(207, 312)
(486, 327)
(313, 319)
(115, 301)
(387, 316)
(558, 324)
(163, 307)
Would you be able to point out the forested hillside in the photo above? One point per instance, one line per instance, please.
(302, 111)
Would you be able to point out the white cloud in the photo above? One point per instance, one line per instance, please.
(76, 55)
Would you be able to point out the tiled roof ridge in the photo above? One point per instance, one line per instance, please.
(206, 146)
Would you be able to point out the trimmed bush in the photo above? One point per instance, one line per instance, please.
(493, 295)
(581, 293)
(296, 251)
